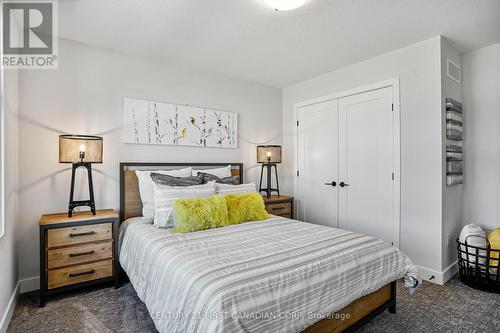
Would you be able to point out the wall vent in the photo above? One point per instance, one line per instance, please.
(453, 71)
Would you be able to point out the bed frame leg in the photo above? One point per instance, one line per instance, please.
(392, 308)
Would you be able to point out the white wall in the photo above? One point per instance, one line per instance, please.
(85, 96)
(418, 67)
(452, 195)
(8, 252)
(481, 94)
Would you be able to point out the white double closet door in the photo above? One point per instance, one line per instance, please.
(346, 163)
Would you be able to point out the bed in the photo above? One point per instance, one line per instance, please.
(277, 275)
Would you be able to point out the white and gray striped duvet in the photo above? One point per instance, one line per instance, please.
(268, 276)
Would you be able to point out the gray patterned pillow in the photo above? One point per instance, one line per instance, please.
(233, 180)
(163, 179)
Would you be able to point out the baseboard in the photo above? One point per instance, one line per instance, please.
(5, 319)
(29, 284)
(450, 271)
(438, 277)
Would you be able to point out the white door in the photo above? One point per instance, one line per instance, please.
(317, 200)
(367, 163)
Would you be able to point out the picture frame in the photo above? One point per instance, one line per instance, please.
(151, 122)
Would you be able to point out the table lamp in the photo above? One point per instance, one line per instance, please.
(269, 156)
(81, 151)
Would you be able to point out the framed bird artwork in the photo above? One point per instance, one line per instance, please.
(149, 122)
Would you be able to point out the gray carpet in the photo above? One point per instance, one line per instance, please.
(450, 308)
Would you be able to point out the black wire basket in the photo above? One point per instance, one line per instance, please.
(479, 266)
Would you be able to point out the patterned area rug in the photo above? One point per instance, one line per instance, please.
(450, 308)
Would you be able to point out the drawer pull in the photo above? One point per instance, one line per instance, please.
(92, 271)
(82, 234)
(81, 254)
(278, 208)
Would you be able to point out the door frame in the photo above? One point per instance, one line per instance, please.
(394, 84)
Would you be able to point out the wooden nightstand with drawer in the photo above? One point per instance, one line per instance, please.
(282, 206)
(77, 251)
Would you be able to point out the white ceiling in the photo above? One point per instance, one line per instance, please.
(248, 40)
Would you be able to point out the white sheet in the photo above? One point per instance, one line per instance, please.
(277, 275)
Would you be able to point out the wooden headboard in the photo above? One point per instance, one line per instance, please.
(130, 199)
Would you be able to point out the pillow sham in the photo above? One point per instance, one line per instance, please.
(245, 207)
(177, 181)
(233, 180)
(219, 172)
(165, 195)
(199, 214)
(235, 189)
(146, 186)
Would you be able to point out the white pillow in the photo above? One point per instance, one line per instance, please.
(235, 189)
(477, 238)
(146, 187)
(219, 172)
(166, 195)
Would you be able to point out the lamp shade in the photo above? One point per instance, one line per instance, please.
(269, 154)
(80, 148)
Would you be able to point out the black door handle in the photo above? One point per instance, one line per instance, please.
(342, 184)
(334, 183)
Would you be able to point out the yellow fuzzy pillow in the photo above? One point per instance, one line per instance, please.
(197, 214)
(245, 207)
(217, 211)
(494, 239)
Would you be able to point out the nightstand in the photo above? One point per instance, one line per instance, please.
(77, 251)
(282, 206)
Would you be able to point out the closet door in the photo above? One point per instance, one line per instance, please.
(366, 155)
(317, 156)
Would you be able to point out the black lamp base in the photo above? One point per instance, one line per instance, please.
(269, 189)
(79, 203)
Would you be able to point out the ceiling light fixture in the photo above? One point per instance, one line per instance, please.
(285, 4)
